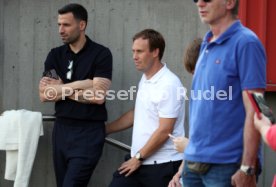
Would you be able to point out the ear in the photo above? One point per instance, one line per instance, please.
(155, 52)
(230, 4)
(82, 25)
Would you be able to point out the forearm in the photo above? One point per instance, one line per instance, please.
(251, 136)
(181, 167)
(124, 122)
(80, 85)
(90, 91)
(158, 138)
(251, 142)
(51, 93)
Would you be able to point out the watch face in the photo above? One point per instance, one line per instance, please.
(138, 155)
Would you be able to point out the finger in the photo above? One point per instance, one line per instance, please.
(172, 184)
(233, 182)
(121, 168)
(124, 165)
(129, 173)
(124, 170)
(46, 78)
(43, 83)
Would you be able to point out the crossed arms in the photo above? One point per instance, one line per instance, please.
(84, 91)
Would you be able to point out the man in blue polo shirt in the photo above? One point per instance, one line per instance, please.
(223, 147)
(77, 76)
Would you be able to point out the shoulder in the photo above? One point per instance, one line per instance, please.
(246, 36)
(170, 79)
(170, 76)
(58, 50)
(99, 48)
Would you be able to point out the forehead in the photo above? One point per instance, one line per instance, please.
(66, 17)
(140, 43)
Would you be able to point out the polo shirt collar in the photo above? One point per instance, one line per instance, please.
(157, 75)
(68, 49)
(236, 25)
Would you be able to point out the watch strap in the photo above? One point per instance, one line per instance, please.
(248, 170)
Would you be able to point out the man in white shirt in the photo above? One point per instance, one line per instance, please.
(159, 110)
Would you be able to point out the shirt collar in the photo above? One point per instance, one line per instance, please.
(224, 36)
(68, 49)
(157, 75)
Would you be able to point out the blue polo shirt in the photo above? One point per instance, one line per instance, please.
(236, 61)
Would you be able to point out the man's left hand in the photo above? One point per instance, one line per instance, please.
(240, 179)
(129, 166)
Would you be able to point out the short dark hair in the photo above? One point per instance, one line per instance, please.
(191, 54)
(78, 11)
(235, 10)
(156, 40)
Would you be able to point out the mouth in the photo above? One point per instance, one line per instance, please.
(202, 13)
(63, 37)
(136, 63)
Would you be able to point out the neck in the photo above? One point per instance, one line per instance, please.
(220, 27)
(154, 69)
(78, 45)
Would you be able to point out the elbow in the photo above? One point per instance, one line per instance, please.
(107, 130)
(42, 98)
(99, 101)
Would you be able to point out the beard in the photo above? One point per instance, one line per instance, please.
(71, 39)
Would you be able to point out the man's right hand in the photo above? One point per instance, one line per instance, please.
(45, 81)
(175, 182)
(48, 89)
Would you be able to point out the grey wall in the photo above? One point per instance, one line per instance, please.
(1, 48)
(28, 30)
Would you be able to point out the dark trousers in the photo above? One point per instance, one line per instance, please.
(156, 175)
(77, 147)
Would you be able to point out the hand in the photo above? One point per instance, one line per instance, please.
(240, 179)
(259, 123)
(180, 143)
(175, 181)
(45, 81)
(130, 166)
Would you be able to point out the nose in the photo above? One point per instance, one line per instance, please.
(200, 3)
(134, 56)
(61, 29)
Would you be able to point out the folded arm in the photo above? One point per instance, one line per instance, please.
(84, 91)
(90, 91)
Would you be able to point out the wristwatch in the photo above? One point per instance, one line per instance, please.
(138, 156)
(248, 170)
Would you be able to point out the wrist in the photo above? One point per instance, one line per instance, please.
(139, 156)
(248, 170)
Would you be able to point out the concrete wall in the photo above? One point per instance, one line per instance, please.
(28, 30)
